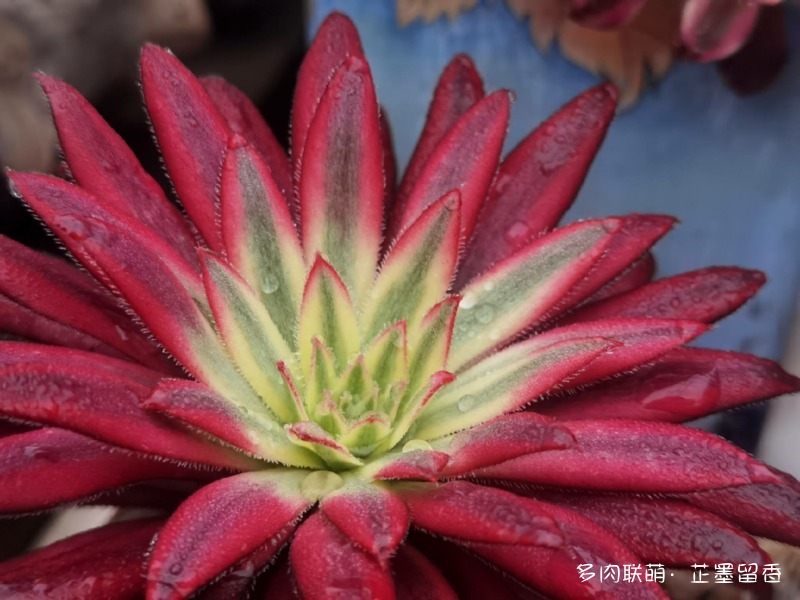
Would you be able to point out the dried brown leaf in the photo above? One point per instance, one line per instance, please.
(409, 11)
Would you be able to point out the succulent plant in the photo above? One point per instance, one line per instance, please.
(338, 387)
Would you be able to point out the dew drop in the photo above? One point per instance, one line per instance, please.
(485, 313)
(414, 445)
(270, 284)
(319, 484)
(176, 568)
(699, 543)
(518, 234)
(466, 402)
(468, 301)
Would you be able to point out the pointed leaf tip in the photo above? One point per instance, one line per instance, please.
(244, 118)
(325, 563)
(458, 89)
(341, 184)
(538, 180)
(221, 524)
(336, 39)
(102, 163)
(465, 159)
(191, 134)
(418, 268)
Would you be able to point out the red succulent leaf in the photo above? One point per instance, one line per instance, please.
(21, 321)
(705, 295)
(259, 234)
(138, 264)
(523, 290)
(325, 564)
(663, 531)
(502, 439)
(429, 248)
(770, 510)
(21, 353)
(102, 164)
(99, 564)
(472, 578)
(422, 465)
(244, 118)
(371, 516)
(221, 524)
(389, 164)
(554, 570)
(640, 272)
(465, 511)
(635, 236)
(417, 578)
(91, 394)
(640, 341)
(191, 134)
(714, 29)
(465, 159)
(459, 88)
(203, 409)
(56, 293)
(46, 467)
(56, 201)
(621, 455)
(335, 40)
(341, 181)
(684, 384)
(539, 179)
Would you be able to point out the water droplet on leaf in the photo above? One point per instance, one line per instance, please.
(485, 313)
(270, 284)
(518, 234)
(468, 301)
(414, 445)
(466, 402)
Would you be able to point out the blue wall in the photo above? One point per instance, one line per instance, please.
(726, 166)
